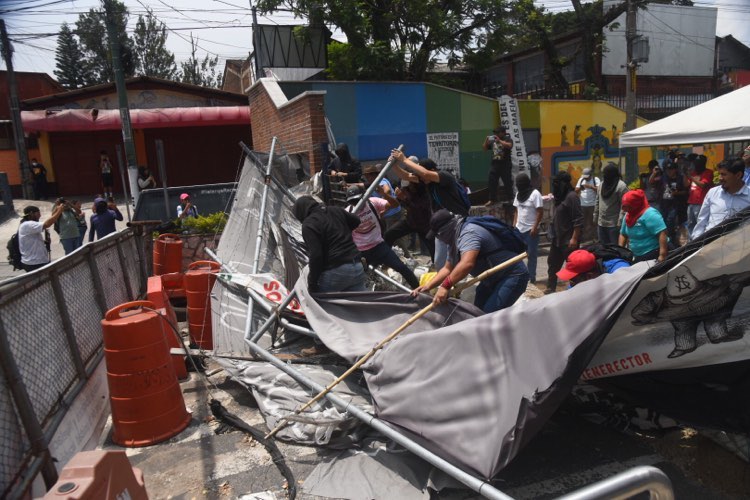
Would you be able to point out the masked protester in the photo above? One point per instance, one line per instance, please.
(643, 229)
(607, 213)
(566, 227)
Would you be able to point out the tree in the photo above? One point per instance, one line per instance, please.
(92, 34)
(203, 72)
(149, 45)
(394, 38)
(70, 68)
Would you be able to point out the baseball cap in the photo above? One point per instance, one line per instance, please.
(587, 171)
(354, 193)
(438, 220)
(579, 261)
(184, 196)
(30, 210)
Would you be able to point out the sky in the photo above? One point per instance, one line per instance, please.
(223, 27)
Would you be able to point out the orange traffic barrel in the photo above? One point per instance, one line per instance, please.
(144, 395)
(156, 293)
(99, 474)
(167, 254)
(199, 280)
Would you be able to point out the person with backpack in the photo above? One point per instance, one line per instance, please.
(368, 236)
(444, 190)
(67, 226)
(583, 265)
(476, 244)
(33, 237)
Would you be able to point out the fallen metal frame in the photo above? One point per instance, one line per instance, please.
(622, 485)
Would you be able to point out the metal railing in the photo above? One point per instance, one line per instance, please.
(50, 344)
(627, 484)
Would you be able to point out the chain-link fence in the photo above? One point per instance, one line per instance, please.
(50, 344)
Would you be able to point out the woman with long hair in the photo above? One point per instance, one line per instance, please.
(608, 208)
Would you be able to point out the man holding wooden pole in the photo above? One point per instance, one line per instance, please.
(476, 244)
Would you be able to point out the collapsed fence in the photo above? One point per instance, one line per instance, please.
(50, 345)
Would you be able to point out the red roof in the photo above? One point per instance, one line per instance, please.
(73, 120)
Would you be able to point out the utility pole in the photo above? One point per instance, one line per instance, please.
(15, 114)
(631, 154)
(256, 40)
(122, 98)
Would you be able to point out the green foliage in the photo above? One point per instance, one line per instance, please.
(149, 44)
(201, 72)
(70, 67)
(209, 224)
(94, 41)
(396, 39)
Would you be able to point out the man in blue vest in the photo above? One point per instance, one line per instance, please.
(473, 249)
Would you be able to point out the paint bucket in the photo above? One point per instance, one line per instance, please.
(167, 254)
(145, 397)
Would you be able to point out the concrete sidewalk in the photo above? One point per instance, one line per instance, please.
(10, 226)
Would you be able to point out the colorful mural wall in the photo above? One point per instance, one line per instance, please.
(373, 117)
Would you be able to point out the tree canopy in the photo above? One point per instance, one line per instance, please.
(200, 72)
(70, 68)
(149, 45)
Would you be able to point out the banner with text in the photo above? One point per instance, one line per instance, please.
(443, 148)
(510, 118)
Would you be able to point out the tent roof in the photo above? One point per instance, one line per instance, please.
(723, 119)
(71, 120)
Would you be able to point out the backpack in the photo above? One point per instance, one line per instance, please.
(609, 251)
(510, 237)
(14, 252)
(462, 194)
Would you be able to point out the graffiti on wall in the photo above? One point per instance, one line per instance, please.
(595, 151)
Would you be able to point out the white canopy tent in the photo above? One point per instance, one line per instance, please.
(724, 119)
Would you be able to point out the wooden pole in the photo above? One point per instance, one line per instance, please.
(393, 335)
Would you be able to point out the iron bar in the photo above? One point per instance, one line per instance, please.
(374, 184)
(627, 484)
(123, 267)
(389, 279)
(276, 181)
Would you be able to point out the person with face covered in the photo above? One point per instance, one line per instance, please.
(643, 230)
(527, 217)
(344, 166)
(473, 249)
(607, 211)
(335, 264)
(566, 227)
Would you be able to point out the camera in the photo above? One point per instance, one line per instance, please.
(61, 201)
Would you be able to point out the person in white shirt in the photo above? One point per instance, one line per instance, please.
(527, 217)
(33, 237)
(729, 197)
(587, 188)
(186, 207)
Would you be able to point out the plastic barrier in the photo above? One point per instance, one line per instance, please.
(199, 280)
(167, 254)
(99, 475)
(145, 398)
(156, 293)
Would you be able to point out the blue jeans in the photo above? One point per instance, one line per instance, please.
(670, 219)
(382, 253)
(441, 254)
(609, 235)
(81, 234)
(532, 249)
(504, 293)
(349, 277)
(70, 244)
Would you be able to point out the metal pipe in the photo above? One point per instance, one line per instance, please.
(389, 279)
(161, 163)
(374, 184)
(627, 484)
(128, 199)
(271, 318)
(278, 183)
(480, 486)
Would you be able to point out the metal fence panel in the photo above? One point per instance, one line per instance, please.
(132, 264)
(78, 288)
(13, 443)
(113, 279)
(37, 341)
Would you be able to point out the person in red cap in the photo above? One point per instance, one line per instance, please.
(582, 265)
(643, 230)
(186, 208)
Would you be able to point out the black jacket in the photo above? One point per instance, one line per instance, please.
(327, 232)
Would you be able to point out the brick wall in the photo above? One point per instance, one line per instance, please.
(299, 124)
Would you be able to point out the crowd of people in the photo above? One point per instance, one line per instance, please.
(624, 226)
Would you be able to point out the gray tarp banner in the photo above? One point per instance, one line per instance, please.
(473, 391)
